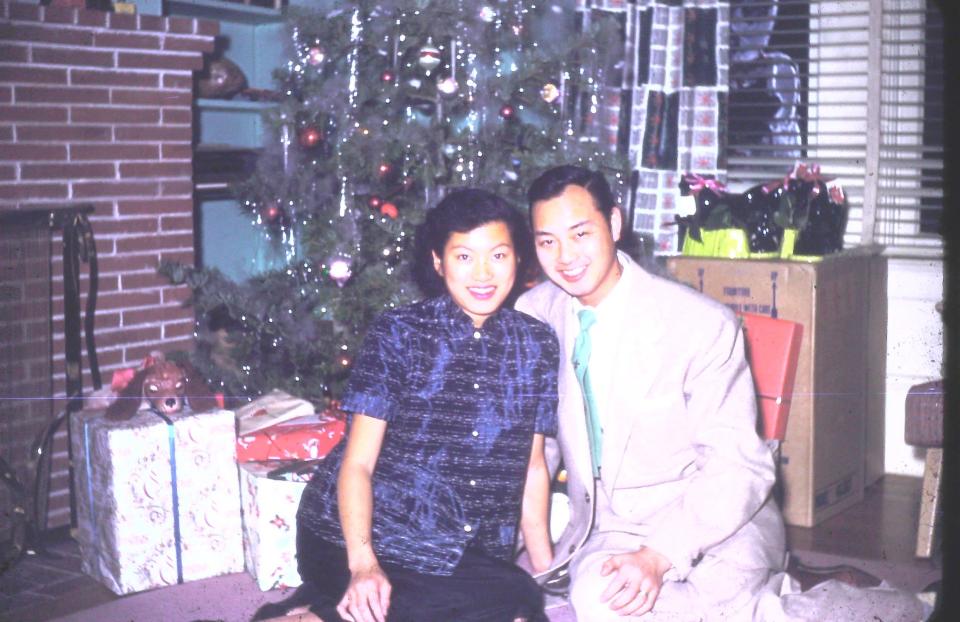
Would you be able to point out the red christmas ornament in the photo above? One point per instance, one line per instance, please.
(387, 76)
(407, 183)
(507, 111)
(270, 212)
(315, 55)
(374, 202)
(310, 137)
(389, 209)
(384, 169)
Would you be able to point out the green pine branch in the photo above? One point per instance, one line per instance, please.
(397, 139)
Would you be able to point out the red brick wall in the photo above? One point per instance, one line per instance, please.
(95, 108)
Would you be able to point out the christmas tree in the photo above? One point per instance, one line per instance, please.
(383, 107)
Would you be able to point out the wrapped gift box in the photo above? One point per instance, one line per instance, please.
(304, 438)
(158, 503)
(269, 410)
(270, 523)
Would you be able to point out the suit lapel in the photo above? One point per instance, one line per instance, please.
(633, 382)
(573, 422)
(635, 368)
(643, 329)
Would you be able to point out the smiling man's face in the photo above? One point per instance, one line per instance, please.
(576, 245)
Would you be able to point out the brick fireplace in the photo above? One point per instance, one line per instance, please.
(96, 108)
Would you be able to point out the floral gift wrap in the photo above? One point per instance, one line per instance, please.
(158, 499)
(270, 520)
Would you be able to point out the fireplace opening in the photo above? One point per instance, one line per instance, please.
(28, 416)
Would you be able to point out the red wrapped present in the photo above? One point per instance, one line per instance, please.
(773, 349)
(305, 438)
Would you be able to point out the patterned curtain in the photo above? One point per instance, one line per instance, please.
(670, 109)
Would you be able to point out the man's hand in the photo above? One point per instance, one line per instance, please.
(367, 598)
(635, 580)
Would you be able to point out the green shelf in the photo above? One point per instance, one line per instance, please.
(220, 10)
(239, 105)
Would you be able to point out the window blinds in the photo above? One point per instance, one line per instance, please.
(855, 86)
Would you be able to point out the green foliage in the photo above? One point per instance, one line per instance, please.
(364, 139)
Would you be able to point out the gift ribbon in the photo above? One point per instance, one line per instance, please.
(122, 377)
(698, 183)
(809, 173)
(171, 439)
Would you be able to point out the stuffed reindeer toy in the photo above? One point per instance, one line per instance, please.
(165, 388)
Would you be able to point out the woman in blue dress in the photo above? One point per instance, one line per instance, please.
(415, 517)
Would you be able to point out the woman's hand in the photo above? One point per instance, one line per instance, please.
(368, 595)
(367, 598)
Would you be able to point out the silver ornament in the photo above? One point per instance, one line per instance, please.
(448, 86)
(429, 56)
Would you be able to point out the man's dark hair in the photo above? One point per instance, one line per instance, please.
(461, 211)
(551, 184)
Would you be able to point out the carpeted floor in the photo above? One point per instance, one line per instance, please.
(875, 536)
(51, 589)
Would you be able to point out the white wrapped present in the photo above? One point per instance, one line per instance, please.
(271, 409)
(270, 523)
(158, 501)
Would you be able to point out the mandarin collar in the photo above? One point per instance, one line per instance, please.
(458, 324)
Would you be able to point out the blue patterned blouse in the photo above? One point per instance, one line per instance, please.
(461, 406)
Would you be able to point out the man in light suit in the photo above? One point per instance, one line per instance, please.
(669, 482)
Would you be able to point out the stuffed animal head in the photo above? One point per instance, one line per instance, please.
(164, 387)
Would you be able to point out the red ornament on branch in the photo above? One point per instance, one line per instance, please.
(507, 111)
(389, 209)
(310, 137)
(315, 55)
(374, 202)
(270, 212)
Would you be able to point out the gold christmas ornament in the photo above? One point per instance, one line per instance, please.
(549, 92)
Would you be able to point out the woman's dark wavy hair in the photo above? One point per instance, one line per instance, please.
(461, 211)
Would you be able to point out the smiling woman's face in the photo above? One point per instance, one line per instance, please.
(479, 268)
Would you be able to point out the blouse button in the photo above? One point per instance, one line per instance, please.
(467, 528)
(475, 433)
(476, 334)
(473, 482)
(476, 385)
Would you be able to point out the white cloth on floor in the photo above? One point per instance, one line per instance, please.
(835, 600)
(783, 601)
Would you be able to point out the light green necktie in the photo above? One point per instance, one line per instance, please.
(581, 360)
